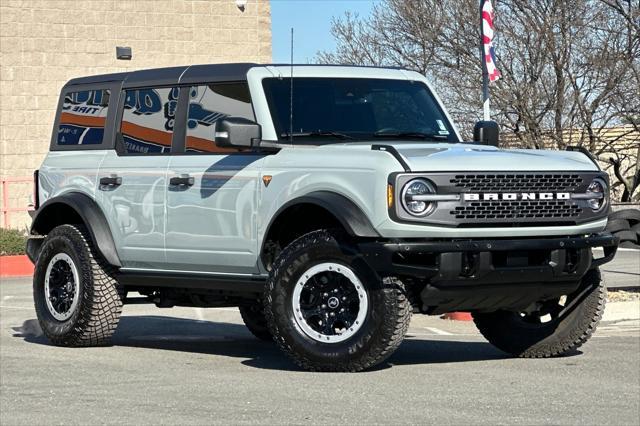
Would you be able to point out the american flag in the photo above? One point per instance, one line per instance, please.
(487, 41)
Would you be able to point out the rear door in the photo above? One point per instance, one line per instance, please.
(81, 133)
(132, 180)
(211, 208)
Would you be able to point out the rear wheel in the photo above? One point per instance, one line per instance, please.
(253, 317)
(75, 294)
(328, 311)
(551, 328)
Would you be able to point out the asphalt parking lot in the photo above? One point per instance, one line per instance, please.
(623, 271)
(197, 366)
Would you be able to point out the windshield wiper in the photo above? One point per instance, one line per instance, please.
(316, 133)
(411, 135)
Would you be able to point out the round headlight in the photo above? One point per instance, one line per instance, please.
(410, 197)
(598, 188)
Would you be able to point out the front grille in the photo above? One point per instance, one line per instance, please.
(536, 209)
(517, 182)
(523, 207)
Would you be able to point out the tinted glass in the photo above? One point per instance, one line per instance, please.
(148, 119)
(83, 117)
(356, 107)
(209, 104)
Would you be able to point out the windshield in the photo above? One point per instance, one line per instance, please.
(329, 110)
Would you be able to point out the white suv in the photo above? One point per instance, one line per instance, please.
(327, 202)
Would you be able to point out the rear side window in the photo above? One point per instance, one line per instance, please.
(148, 119)
(209, 104)
(83, 117)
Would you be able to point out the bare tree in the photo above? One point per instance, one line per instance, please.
(570, 67)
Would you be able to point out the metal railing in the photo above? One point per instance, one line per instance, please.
(5, 209)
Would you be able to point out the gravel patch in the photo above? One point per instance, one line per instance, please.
(624, 295)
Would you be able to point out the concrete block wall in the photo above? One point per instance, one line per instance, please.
(44, 43)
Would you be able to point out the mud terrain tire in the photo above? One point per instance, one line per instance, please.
(253, 317)
(93, 318)
(560, 336)
(387, 315)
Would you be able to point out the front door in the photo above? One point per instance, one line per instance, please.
(212, 203)
(211, 224)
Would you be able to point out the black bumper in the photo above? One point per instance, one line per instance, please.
(477, 274)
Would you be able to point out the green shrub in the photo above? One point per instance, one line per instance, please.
(12, 242)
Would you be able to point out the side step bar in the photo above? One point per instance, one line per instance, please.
(239, 284)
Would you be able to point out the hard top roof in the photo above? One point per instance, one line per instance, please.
(185, 74)
(171, 75)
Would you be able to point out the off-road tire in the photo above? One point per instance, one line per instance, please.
(97, 313)
(632, 215)
(561, 336)
(617, 225)
(386, 323)
(253, 317)
(629, 245)
(627, 236)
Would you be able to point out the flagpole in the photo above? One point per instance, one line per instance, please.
(485, 72)
(485, 96)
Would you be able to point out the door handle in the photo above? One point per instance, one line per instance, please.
(184, 180)
(111, 181)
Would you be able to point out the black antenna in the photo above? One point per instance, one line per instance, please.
(291, 94)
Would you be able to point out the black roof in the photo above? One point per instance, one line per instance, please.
(171, 75)
(183, 74)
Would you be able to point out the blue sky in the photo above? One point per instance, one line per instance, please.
(311, 22)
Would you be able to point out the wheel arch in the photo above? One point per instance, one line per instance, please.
(70, 208)
(324, 208)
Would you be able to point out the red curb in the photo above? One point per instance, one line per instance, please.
(15, 266)
(458, 316)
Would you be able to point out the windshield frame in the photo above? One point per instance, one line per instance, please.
(277, 136)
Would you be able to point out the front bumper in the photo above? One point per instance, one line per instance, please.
(478, 274)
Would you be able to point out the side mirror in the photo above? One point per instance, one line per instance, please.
(486, 133)
(237, 132)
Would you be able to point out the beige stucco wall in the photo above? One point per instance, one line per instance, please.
(44, 43)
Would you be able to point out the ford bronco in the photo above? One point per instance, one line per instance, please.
(328, 203)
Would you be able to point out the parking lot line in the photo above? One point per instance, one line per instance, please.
(438, 331)
(200, 314)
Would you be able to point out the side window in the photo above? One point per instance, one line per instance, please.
(209, 104)
(148, 119)
(83, 117)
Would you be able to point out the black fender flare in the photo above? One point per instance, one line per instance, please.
(350, 216)
(90, 213)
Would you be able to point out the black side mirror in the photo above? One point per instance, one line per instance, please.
(486, 133)
(238, 132)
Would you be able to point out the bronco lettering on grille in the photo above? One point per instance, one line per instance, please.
(513, 196)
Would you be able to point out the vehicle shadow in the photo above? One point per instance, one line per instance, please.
(234, 340)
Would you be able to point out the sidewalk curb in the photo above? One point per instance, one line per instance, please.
(614, 311)
(621, 311)
(15, 266)
(458, 316)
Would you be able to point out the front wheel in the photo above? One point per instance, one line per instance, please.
(552, 328)
(328, 311)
